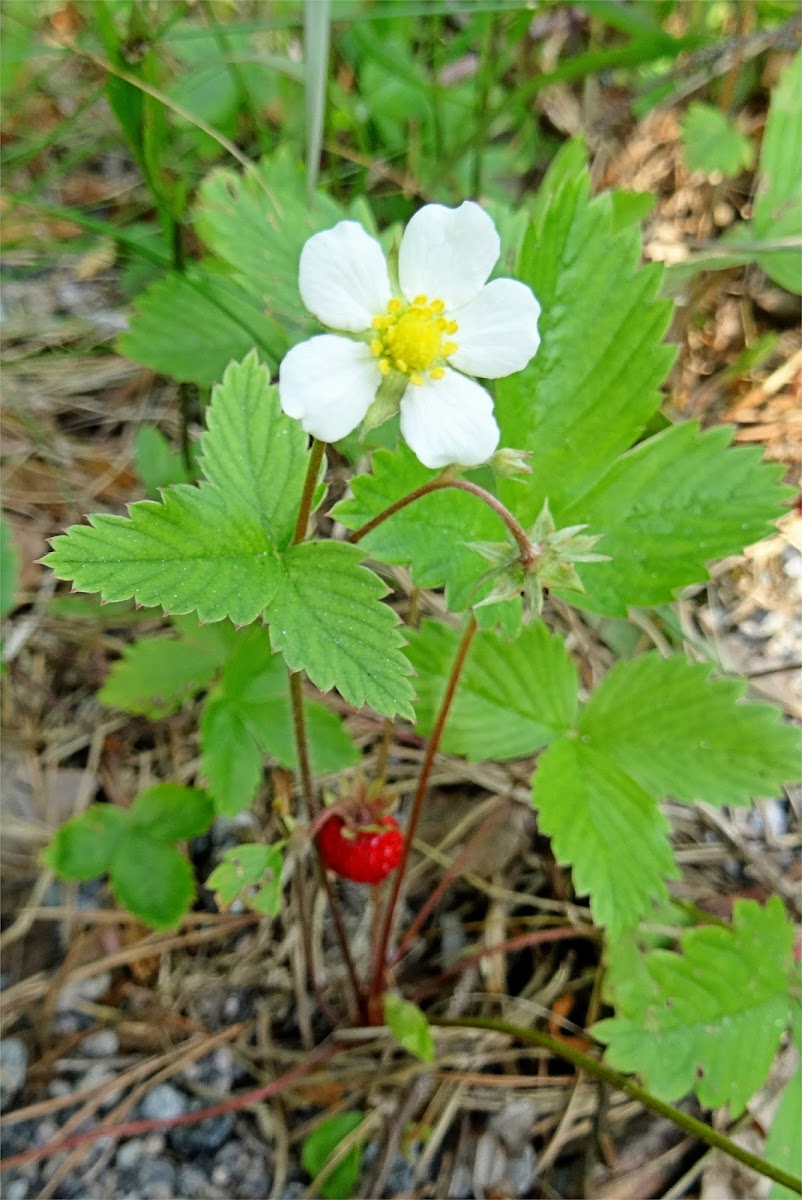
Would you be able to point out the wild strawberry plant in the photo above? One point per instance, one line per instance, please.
(561, 478)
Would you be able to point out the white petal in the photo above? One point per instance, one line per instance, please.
(497, 332)
(343, 277)
(449, 420)
(328, 383)
(447, 253)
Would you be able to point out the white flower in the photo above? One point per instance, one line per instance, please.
(440, 325)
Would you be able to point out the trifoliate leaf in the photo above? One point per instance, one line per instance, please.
(432, 535)
(711, 1017)
(679, 733)
(713, 142)
(591, 388)
(321, 1144)
(258, 223)
(169, 812)
(777, 211)
(9, 567)
(409, 1026)
(513, 697)
(784, 1143)
(211, 548)
(152, 880)
(326, 618)
(85, 846)
(155, 676)
(192, 326)
(667, 508)
(607, 829)
(250, 873)
(249, 714)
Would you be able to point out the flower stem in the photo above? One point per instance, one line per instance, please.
(528, 556)
(563, 1049)
(310, 483)
(314, 808)
(380, 962)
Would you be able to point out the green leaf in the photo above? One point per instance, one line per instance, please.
(231, 759)
(607, 829)
(409, 1026)
(713, 142)
(258, 223)
(630, 208)
(157, 464)
(85, 846)
(155, 676)
(431, 534)
(251, 449)
(777, 211)
(593, 385)
(152, 880)
(249, 714)
(784, 1143)
(711, 1017)
(513, 697)
(9, 568)
(250, 873)
(668, 507)
(326, 618)
(210, 548)
(319, 1146)
(169, 812)
(679, 733)
(192, 326)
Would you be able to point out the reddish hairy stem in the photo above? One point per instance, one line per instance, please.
(135, 1128)
(310, 483)
(417, 806)
(528, 557)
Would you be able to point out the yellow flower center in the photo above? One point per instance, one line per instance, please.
(413, 339)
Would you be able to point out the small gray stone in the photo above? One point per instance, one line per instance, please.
(18, 1189)
(103, 1044)
(293, 1190)
(129, 1154)
(189, 1140)
(192, 1184)
(400, 1177)
(83, 989)
(163, 1102)
(13, 1068)
(98, 1074)
(520, 1171)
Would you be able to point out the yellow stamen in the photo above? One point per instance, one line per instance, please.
(436, 373)
(376, 347)
(420, 300)
(417, 380)
(450, 348)
(394, 306)
(451, 327)
(409, 338)
(438, 306)
(384, 366)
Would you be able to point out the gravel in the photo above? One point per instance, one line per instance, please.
(103, 1044)
(13, 1069)
(163, 1102)
(190, 1140)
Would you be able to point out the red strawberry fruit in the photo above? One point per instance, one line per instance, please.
(364, 854)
